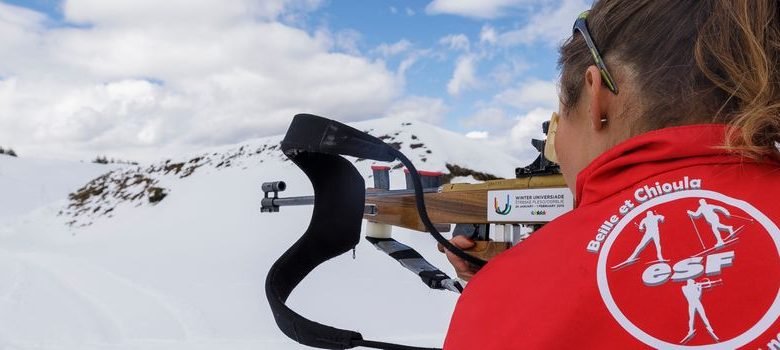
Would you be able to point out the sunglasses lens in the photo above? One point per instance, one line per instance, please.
(549, 146)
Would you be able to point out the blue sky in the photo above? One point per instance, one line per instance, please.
(393, 21)
(128, 77)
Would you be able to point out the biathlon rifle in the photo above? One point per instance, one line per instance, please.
(496, 214)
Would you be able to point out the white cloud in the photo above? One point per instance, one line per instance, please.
(410, 12)
(393, 10)
(393, 49)
(456, 42)
(410, 58)
(488, 35)
(184, 12)
(347, 41)
(510, 130)
(491, 118)
(526, 128)
(407, 63)
(427, 109)
(531, 94)
(478, 135)
(145, 75)
(484, 9)
(548, 21)
(463, 78)
(551, 25)
(510, 133)
(12, 17)
(529, 126)
(509, 70)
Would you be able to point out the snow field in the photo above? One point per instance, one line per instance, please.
(189, 272)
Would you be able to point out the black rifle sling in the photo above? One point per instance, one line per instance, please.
(314, 144)
(324, 239)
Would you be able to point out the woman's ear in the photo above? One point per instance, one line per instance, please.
(597, 113)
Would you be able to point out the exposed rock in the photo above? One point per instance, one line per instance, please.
(456, 170)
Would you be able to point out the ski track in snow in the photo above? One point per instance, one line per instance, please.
(37, 276)
(76, 281)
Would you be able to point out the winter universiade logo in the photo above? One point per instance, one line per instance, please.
(507, 207)
(676, 267)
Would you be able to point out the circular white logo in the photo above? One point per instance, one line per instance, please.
(678, 271)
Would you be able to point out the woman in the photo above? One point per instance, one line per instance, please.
(684, 108)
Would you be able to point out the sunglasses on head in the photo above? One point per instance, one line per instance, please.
(580, 25)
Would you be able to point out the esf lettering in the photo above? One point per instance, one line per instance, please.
(660, 273)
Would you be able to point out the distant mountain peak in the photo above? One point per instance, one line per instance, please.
(429, 147)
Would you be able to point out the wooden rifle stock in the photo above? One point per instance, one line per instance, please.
(450, 204)
(453, 204)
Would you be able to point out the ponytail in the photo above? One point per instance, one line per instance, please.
(738, 50)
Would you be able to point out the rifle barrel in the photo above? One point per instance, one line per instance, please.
(290, 201)
(309, 200)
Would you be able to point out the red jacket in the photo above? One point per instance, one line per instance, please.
(668, 230)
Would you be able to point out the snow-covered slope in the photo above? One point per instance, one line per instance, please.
(109, 269)
(29, 183)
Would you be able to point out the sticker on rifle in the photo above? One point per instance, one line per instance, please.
(534, 205)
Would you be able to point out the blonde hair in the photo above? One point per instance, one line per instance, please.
(738, 50)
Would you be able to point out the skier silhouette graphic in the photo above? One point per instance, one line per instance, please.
(652, 233)
(692, 292)
(709, 211)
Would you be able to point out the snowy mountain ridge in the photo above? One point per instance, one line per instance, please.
(429, 147)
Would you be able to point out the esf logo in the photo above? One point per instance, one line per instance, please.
(676, 271)
(691, 268)
(538, 212)
(506, 208)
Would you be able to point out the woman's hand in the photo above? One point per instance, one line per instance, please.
(464, 269)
